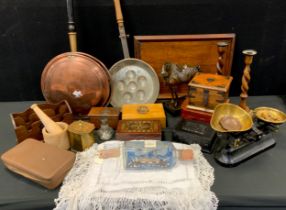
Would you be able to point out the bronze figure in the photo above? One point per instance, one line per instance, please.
(174, 75)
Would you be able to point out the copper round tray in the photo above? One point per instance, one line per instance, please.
(133, 81)
(106, 85)
(77, 77)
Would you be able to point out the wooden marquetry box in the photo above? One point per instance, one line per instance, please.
(144, 112)
(111, 113)
(208, 90)
(138, 129)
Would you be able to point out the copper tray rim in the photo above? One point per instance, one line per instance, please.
(103, 101)
(106, 100)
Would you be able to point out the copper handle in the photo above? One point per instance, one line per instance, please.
(118, 12)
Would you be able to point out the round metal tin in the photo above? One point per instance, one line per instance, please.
(133, 81)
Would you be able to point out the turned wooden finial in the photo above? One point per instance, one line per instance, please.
(221, 49)
(71, 27)
(248, 58)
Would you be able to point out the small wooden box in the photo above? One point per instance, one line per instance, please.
(40, 162)
(111, 113)
(144, 112)
(138, 129)
(192, 114)
(208, 90)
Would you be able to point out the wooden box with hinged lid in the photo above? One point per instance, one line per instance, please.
(138, 129)
(208, 90)
(42, 163)
(96, 113)
(144, 112)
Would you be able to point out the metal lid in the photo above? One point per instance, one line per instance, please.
(81, 127)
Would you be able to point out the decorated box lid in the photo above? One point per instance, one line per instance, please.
(211, 82)
(81, 127)
(146, 110)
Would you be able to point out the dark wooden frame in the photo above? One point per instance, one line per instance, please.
(153, 49)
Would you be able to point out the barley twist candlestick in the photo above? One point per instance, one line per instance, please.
(246, 78)
(221, 48)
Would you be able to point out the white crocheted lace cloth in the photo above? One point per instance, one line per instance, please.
(107, 186)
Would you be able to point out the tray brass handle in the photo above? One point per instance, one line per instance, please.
(72, 41)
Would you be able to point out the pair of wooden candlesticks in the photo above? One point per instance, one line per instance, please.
(248, 58)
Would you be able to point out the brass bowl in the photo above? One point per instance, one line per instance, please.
(270, 115)
(227, 109)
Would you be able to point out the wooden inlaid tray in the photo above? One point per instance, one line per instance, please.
(200, 49)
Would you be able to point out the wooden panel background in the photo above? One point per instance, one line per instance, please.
(183, 49)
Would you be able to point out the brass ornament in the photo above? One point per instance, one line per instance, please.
(142, 109)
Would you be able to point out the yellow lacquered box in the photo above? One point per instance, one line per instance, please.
(144, 112)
